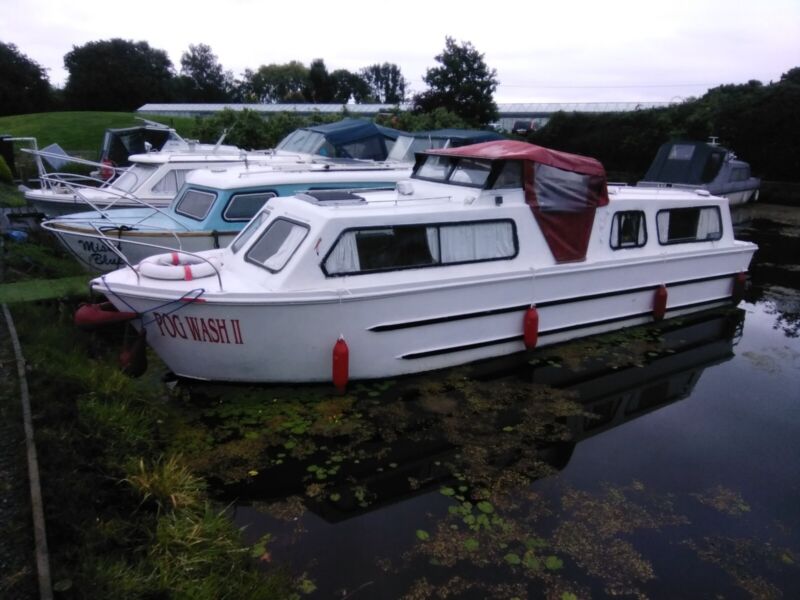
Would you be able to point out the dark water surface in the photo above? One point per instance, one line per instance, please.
(659, 462)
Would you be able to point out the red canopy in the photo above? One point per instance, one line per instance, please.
(513, 150)
(564, 206)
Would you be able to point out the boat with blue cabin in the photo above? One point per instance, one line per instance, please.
(705, 166)
(211, 208)
(487, 250)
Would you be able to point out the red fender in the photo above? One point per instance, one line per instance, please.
(107, 170)
(660, 302)
(739, 287)
(341, 364)
(530, 328)
(92, 316)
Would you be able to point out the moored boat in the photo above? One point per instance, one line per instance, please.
(209, 211)
(702, 165)
(486, 250)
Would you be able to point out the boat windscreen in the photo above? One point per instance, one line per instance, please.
(133, 177)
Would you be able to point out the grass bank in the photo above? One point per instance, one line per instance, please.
(80, 131)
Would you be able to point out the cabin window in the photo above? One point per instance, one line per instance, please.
(510, 176)
(277, 244)
(409, 246)
(242, 207)
(171, 182)
(563, 191)
(195, 204)
(133, 177)
(683, 225)
(628, 230)
(436, 168)
(681, 152)
(249, 230)
(740, 174)
(369, 148)
(471, 172)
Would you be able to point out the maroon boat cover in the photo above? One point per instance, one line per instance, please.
(562, 189)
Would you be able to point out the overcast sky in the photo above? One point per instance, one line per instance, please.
(563, 50)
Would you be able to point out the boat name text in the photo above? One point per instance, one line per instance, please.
(199, 329)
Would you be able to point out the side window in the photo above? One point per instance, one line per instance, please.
(242, 207)
(195, 204)
(628, 230)
(402, 247)
(684, 225)
(171, 182)
(277, 244)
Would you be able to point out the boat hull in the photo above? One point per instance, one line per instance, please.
(96, 256)
(432, 326)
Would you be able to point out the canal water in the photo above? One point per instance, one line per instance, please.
(660, 462)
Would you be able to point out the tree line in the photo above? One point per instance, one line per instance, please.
(122, 75)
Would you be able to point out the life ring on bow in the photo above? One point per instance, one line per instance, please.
(177, 265)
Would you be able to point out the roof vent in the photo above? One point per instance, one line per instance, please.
(330, 197)
(405, 188)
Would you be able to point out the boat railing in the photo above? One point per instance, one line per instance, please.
(111, 243)
(110, 202)
(39, 154)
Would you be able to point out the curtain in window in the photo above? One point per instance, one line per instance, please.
(662, 220)
(462, 243)
(433, 242)
(344, 258)
(279, 258)
(708, 225)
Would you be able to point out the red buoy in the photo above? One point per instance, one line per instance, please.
(530, 328)
(660, 302)
(341, 364)
(92, 316)
(739, 286)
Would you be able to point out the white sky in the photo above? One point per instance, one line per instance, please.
(560, 50)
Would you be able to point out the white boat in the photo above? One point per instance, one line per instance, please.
(208, 212)
(702, 165)
(486, 250)
(154, 178)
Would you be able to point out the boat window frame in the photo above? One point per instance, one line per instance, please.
(213, 195)
(249, 230)
(695, 240)
(239, 194)
(452, 167)
(305, 226)
(514, 236)
(642, 223)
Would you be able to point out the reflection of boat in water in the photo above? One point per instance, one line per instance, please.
(431, 446)
(705, 166)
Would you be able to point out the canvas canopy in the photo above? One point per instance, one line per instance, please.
(562, 189)
(685, 162)
(348, 138)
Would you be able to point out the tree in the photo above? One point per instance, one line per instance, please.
(203, 78)
(386, 83)
(347, 85)
(276, 83)
(320, 87)
(117, 74)
(462, 84)
(24, 87)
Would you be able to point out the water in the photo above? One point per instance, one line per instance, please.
(660, 462)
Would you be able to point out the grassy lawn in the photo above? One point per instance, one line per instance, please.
(80, 131)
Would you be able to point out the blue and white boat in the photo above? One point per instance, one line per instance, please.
(208, 212)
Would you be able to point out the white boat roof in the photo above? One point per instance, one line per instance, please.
(238, 176)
